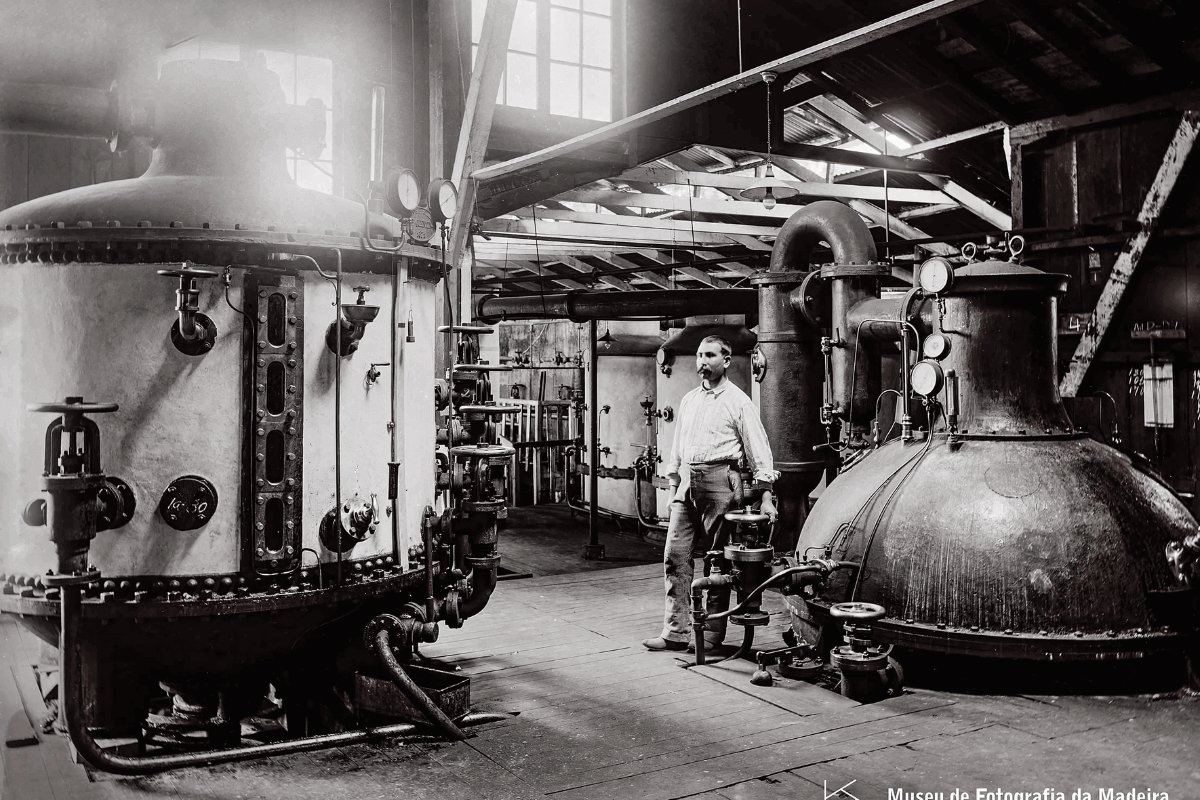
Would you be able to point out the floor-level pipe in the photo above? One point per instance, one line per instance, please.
(383, 649)
(73, 711)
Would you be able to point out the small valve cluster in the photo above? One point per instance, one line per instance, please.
(869, 672)
(475, 477)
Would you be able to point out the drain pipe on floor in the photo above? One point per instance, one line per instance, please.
(72, 694)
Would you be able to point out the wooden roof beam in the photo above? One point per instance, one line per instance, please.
(476, 125)
(578, 233)
(814, 189)
(619, 262)
(934, 9)
(967, 199)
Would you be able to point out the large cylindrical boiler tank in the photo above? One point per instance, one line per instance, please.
(226, 443)
(1017, 536)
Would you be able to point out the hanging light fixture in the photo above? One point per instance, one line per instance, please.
(607, 339)
(768, 188)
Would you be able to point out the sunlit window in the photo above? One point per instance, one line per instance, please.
(300, 77)
(560, 57)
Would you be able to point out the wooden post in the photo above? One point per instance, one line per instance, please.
(437, 108)
(1127, 262)
(476, 126)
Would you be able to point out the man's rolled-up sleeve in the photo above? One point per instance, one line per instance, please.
(755, 445)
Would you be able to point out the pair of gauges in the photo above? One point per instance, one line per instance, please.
(420, 209)
(935, 276)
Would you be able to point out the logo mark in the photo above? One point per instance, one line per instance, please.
(839, 792)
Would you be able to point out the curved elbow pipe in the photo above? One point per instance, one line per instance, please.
(483, 583)
(791, 386)
(826, 221)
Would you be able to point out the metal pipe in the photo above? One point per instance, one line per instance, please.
(413, 692)
(392, 417)
(584, 306)
(594, 550)
(637, 502)
(762, 587)
(698, 615)
(73, 711)
(791, 387)
(337, 411)
(430, 601)
(51, 110)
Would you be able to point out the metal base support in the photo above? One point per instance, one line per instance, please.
(593, 552)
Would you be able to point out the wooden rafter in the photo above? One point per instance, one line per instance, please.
(593, 272)
(946, 73)
(682, 226)
(967, 199)
(925, 12)
(1127, 262)
(621, 262)
(874, 215)
(579, 232)
(1037, 82)
(814, 189)
(477, 122)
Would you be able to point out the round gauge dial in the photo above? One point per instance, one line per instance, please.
(936, 276)
(403, 192)
(662, 357)
(443, 200)
(927, 378)
(936, 346)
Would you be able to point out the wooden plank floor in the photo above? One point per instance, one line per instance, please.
(601, 717)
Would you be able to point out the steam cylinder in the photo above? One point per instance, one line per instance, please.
(1017, 537)
(223, 588)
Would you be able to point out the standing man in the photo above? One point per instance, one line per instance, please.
(718, 426)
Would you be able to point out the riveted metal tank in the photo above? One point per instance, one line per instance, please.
(229, 445)
(1015, 537)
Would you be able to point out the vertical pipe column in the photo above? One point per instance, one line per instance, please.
(855, 378)
(790, 400)
(593, 550)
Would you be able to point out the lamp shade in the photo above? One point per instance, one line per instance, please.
(768, 189)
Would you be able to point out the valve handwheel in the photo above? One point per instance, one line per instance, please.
(746, 517)
(188, 272)
(483, 450)
(857, 612)
(73, 405)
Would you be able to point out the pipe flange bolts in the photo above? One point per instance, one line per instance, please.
(193, 333)
(342, 528)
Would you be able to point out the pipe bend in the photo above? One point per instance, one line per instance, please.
(413, 692)
(483, 583)
(72, 690)
(824, 221)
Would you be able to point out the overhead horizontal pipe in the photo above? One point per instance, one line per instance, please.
(584, 306)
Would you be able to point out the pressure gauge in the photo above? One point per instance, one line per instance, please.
(927, 378)
(443, 200)
(403, 192)
(936, 346)
(420, 225)
(936, 276)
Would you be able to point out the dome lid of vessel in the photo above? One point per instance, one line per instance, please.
(216, 190)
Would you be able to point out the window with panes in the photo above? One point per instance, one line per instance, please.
(561, 57)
